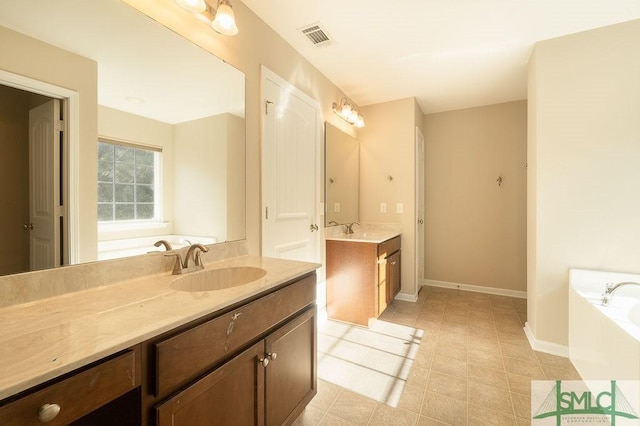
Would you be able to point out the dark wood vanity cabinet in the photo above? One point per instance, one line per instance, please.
(253, 365)
(362, 278)
(106, 392)
(270, 383)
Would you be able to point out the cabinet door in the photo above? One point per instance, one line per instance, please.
(291, 376)
(229, 395)
(393, 276)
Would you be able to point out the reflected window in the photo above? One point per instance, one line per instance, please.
(128, 181)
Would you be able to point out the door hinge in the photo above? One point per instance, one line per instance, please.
(266, 107)
(59, 125)
(266, 213)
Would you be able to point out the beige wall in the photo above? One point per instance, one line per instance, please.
(39, 61)
(200, 177)
(256, 44)
(585, 143)
(387, 146)
(475, 229)
(236, 178)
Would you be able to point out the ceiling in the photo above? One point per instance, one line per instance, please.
(449, 54)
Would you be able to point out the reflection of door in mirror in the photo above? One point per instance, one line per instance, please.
(16, 223)
(342, 176)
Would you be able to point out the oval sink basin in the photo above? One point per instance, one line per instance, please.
(217, 279)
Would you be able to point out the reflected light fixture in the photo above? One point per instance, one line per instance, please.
(195, 6)
(223, 21)
(348, 112)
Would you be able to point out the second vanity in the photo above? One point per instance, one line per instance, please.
(140, 352)
(363, 273)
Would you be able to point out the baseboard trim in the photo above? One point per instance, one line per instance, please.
(543, 346)
(406, 297)
(477, 288)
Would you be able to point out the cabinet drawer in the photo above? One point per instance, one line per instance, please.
(184, 357)
(388, 247)
(78, 394)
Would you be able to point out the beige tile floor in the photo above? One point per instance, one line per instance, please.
(474, 367)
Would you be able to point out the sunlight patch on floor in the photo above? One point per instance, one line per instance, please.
(373, 362)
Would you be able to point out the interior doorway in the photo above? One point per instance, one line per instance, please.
(15, 219)
(18, 96)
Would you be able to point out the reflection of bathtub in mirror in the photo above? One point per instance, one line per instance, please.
(342, 176)
(134, 246)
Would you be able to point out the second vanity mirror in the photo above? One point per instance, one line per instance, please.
(155, 90)
(342, 176)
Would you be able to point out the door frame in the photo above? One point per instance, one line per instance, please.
(267, 74)
(71, 140)
(420, 184)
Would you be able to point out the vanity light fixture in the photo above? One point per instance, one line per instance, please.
(223, 20)
(348, 112)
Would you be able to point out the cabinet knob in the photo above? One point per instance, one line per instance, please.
(48, 412)
(272, 356)
(264, 361)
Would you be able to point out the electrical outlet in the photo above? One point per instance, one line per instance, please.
(383, 207)
(336, 207)
(399, 208)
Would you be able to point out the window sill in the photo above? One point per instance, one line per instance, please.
(106, 229)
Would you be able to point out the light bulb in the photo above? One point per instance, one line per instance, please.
(359, 122)
(195, 6)
(346, 111)
(225, 21)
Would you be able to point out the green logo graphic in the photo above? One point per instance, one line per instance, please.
(585, 403)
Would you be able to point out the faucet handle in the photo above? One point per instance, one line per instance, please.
(196, 251)
(177, 267)
(608, 287)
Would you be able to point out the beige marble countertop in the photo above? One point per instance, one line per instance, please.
(364, 232)
(45, 338)
(366, 236)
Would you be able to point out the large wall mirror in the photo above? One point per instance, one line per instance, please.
(168, 159)
(342, 176)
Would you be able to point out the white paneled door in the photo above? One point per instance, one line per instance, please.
(44, 186)
(289, 176)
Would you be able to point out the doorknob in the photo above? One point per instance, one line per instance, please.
(420, 221)
(28, 227)
(313, 227)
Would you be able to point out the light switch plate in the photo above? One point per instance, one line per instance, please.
(336, 207)
(399, 208)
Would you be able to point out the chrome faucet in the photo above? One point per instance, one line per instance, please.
(606, 297)
(348, 227)
(195, 251)
(165, 243)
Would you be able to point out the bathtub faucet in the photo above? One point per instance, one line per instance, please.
(606, 297)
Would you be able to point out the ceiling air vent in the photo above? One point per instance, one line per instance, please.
(316, 34)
